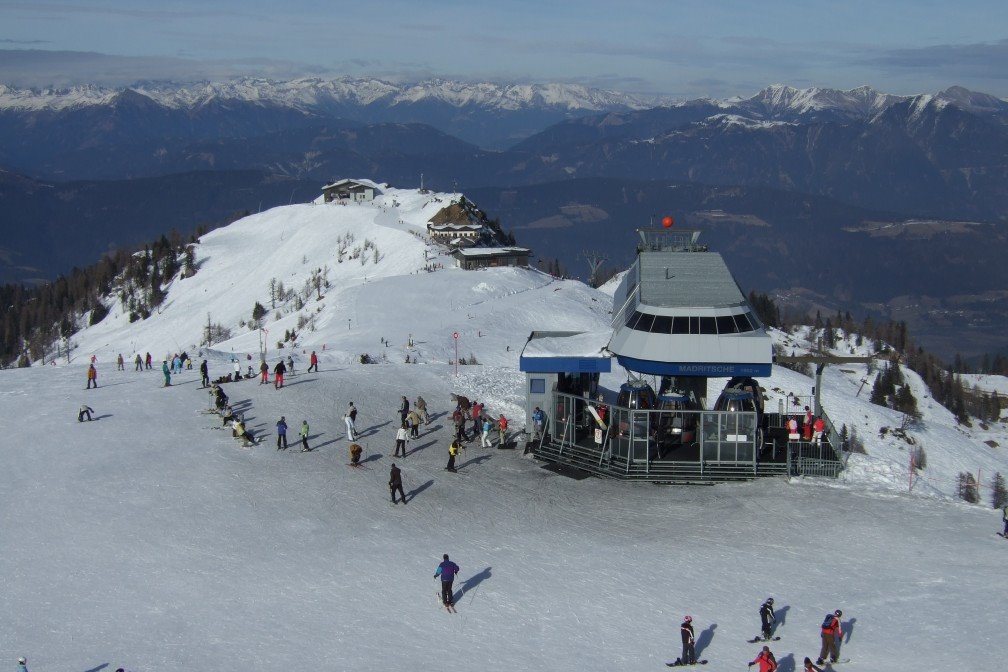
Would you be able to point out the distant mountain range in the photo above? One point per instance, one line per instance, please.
(809, 191)
(486, 114)
(939, 155)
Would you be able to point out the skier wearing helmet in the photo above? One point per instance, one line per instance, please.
(832, 631)
(688, 651)
(22, 665)
(767, 618)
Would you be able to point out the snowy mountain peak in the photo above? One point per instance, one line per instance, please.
(313, 94)
(862, 101)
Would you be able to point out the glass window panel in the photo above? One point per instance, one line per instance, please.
(708, 325)
(644, 324)
(694, 325)
(662, 324)
(725, 324)
(680, 325)
(743, 323)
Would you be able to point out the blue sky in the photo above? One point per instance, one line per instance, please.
(681, 48)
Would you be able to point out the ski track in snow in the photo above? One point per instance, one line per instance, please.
(152, 540)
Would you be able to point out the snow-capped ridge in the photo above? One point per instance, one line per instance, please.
(318, 94)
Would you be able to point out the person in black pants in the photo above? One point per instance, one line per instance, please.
(205, 372)
(767, 617)
(403, 410)
(282, 433)
(688, 651)
(447, 571)
(395, 484)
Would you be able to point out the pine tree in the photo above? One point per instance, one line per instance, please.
(999, 494)
(905, 402)
(967, 490)
(258, 311)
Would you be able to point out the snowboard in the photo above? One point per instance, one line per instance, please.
(760, 639)
(1001, 534)
(678, 663)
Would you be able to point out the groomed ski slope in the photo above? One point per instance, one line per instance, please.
(150, 540)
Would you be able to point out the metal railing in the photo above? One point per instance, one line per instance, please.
(673, 445)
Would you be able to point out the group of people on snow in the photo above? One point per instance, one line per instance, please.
(831, 632)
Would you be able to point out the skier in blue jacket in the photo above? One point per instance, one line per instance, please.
(282, 433)
(447, 571)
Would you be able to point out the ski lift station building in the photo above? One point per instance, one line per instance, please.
(679, 318)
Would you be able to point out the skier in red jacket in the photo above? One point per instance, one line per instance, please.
(765, 660)
(832, 631)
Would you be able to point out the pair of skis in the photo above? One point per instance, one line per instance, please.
(450, 608)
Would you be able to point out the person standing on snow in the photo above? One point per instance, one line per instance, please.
(421, 409)
(147, 361)
(403, 410)
(459, 420)
(831, 632)
(538, 417)
(282, 433)
(447, 571)
(453, 451)
(304, 436)
(137, 363)
(487, 426)
(765, 660)
(263, 371)
(120, 363)
(767, 618)
(413, 422)
(290, 364)
(85, 411)
(395, 483)
(92, 376)
(350, 417)
(818, 426)
(278, 373)
(205, 373)
(688, 642)
(400, 441)
(22, 665)
(502, 424)
(477, 415)
(313, 362)
(166, 372)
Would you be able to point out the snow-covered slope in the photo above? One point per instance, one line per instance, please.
(150, 540)
(381, 298)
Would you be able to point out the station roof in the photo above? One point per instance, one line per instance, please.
(686, 279)
(567, 352)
